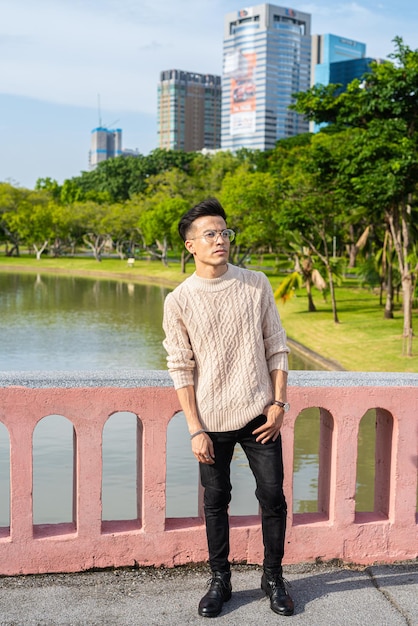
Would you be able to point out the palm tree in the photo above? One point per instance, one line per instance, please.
(304, 275)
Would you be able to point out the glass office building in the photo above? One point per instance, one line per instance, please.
(337, 60)
(189, 111)
(267, 55)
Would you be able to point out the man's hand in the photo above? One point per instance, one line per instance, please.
(271, 428)
(202, 448)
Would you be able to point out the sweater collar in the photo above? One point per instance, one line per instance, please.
(215, 284)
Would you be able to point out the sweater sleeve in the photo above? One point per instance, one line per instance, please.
(273, 332)
(180, 360)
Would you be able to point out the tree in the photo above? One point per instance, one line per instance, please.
(120, 222)
(90, 223)
(27, 217)
(207, 172)
(249, 199)
(383, 108)
(34, 223)
(173, 183)
(305, 273)
(311, 205)
(10, 198)
(120, 178)
(158, 222)
(51, 186)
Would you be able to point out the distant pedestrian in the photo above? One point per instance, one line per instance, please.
(228, 358)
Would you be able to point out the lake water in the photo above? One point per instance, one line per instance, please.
(52, 323)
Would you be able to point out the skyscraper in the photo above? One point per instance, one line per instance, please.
(189, 111)
(337, 60)
(105, 144)
(267, 53)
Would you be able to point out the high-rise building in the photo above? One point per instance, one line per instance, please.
(337, 60)
(267, 54)
(105, 144)
(189, 111)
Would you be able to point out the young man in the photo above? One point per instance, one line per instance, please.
(227, 356)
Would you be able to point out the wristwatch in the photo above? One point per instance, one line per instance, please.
(283, 405)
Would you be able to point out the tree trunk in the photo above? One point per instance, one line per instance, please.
(38, 251)
(119, 245)
(332, 292)
(164, 252)
(325, 260)
(330, 279)
(240, 260)
(185, 257)
(14, 248)
(388, 314)
(55, 250)
(311, 304)
(352, 249)
(407, 293)
(398, 218)
(96, 245)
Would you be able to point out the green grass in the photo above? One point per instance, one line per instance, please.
(143, 270)
(362, 341)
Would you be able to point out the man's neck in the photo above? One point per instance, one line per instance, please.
(208, 271)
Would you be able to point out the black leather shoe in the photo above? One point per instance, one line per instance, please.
(219, 592)
(274, 586)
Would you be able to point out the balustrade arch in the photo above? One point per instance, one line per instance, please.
(334, 530)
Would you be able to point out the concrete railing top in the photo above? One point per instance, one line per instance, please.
(131, 378)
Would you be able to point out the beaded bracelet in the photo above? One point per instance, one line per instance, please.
(198, 432)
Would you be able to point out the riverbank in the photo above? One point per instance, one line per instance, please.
(362, 341)
(130, 274)
(324, 363)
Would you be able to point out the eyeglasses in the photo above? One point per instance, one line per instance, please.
(212, 235)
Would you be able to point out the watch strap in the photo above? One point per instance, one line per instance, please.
(279, 403)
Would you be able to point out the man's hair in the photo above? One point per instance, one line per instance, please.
(210, 206)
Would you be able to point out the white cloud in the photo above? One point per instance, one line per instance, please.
(65, 52)
(68, 51)
(374, 24)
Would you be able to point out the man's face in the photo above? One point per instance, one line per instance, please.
(208, 254)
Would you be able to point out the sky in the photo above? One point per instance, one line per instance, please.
(67, 66)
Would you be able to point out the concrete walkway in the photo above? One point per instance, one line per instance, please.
(324, 595)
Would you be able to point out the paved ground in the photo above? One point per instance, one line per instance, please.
(324, 595)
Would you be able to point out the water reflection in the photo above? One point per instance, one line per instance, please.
(65, 323)
(52, 466)
(306, 461)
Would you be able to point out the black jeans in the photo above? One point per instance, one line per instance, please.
(266, 463)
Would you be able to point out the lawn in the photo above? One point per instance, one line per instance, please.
(362, 341)
(143, 270)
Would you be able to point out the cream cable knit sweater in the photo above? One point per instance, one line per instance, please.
(224, 336)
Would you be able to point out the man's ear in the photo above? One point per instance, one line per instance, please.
(189, 245)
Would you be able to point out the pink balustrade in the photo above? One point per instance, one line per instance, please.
(388, 533)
